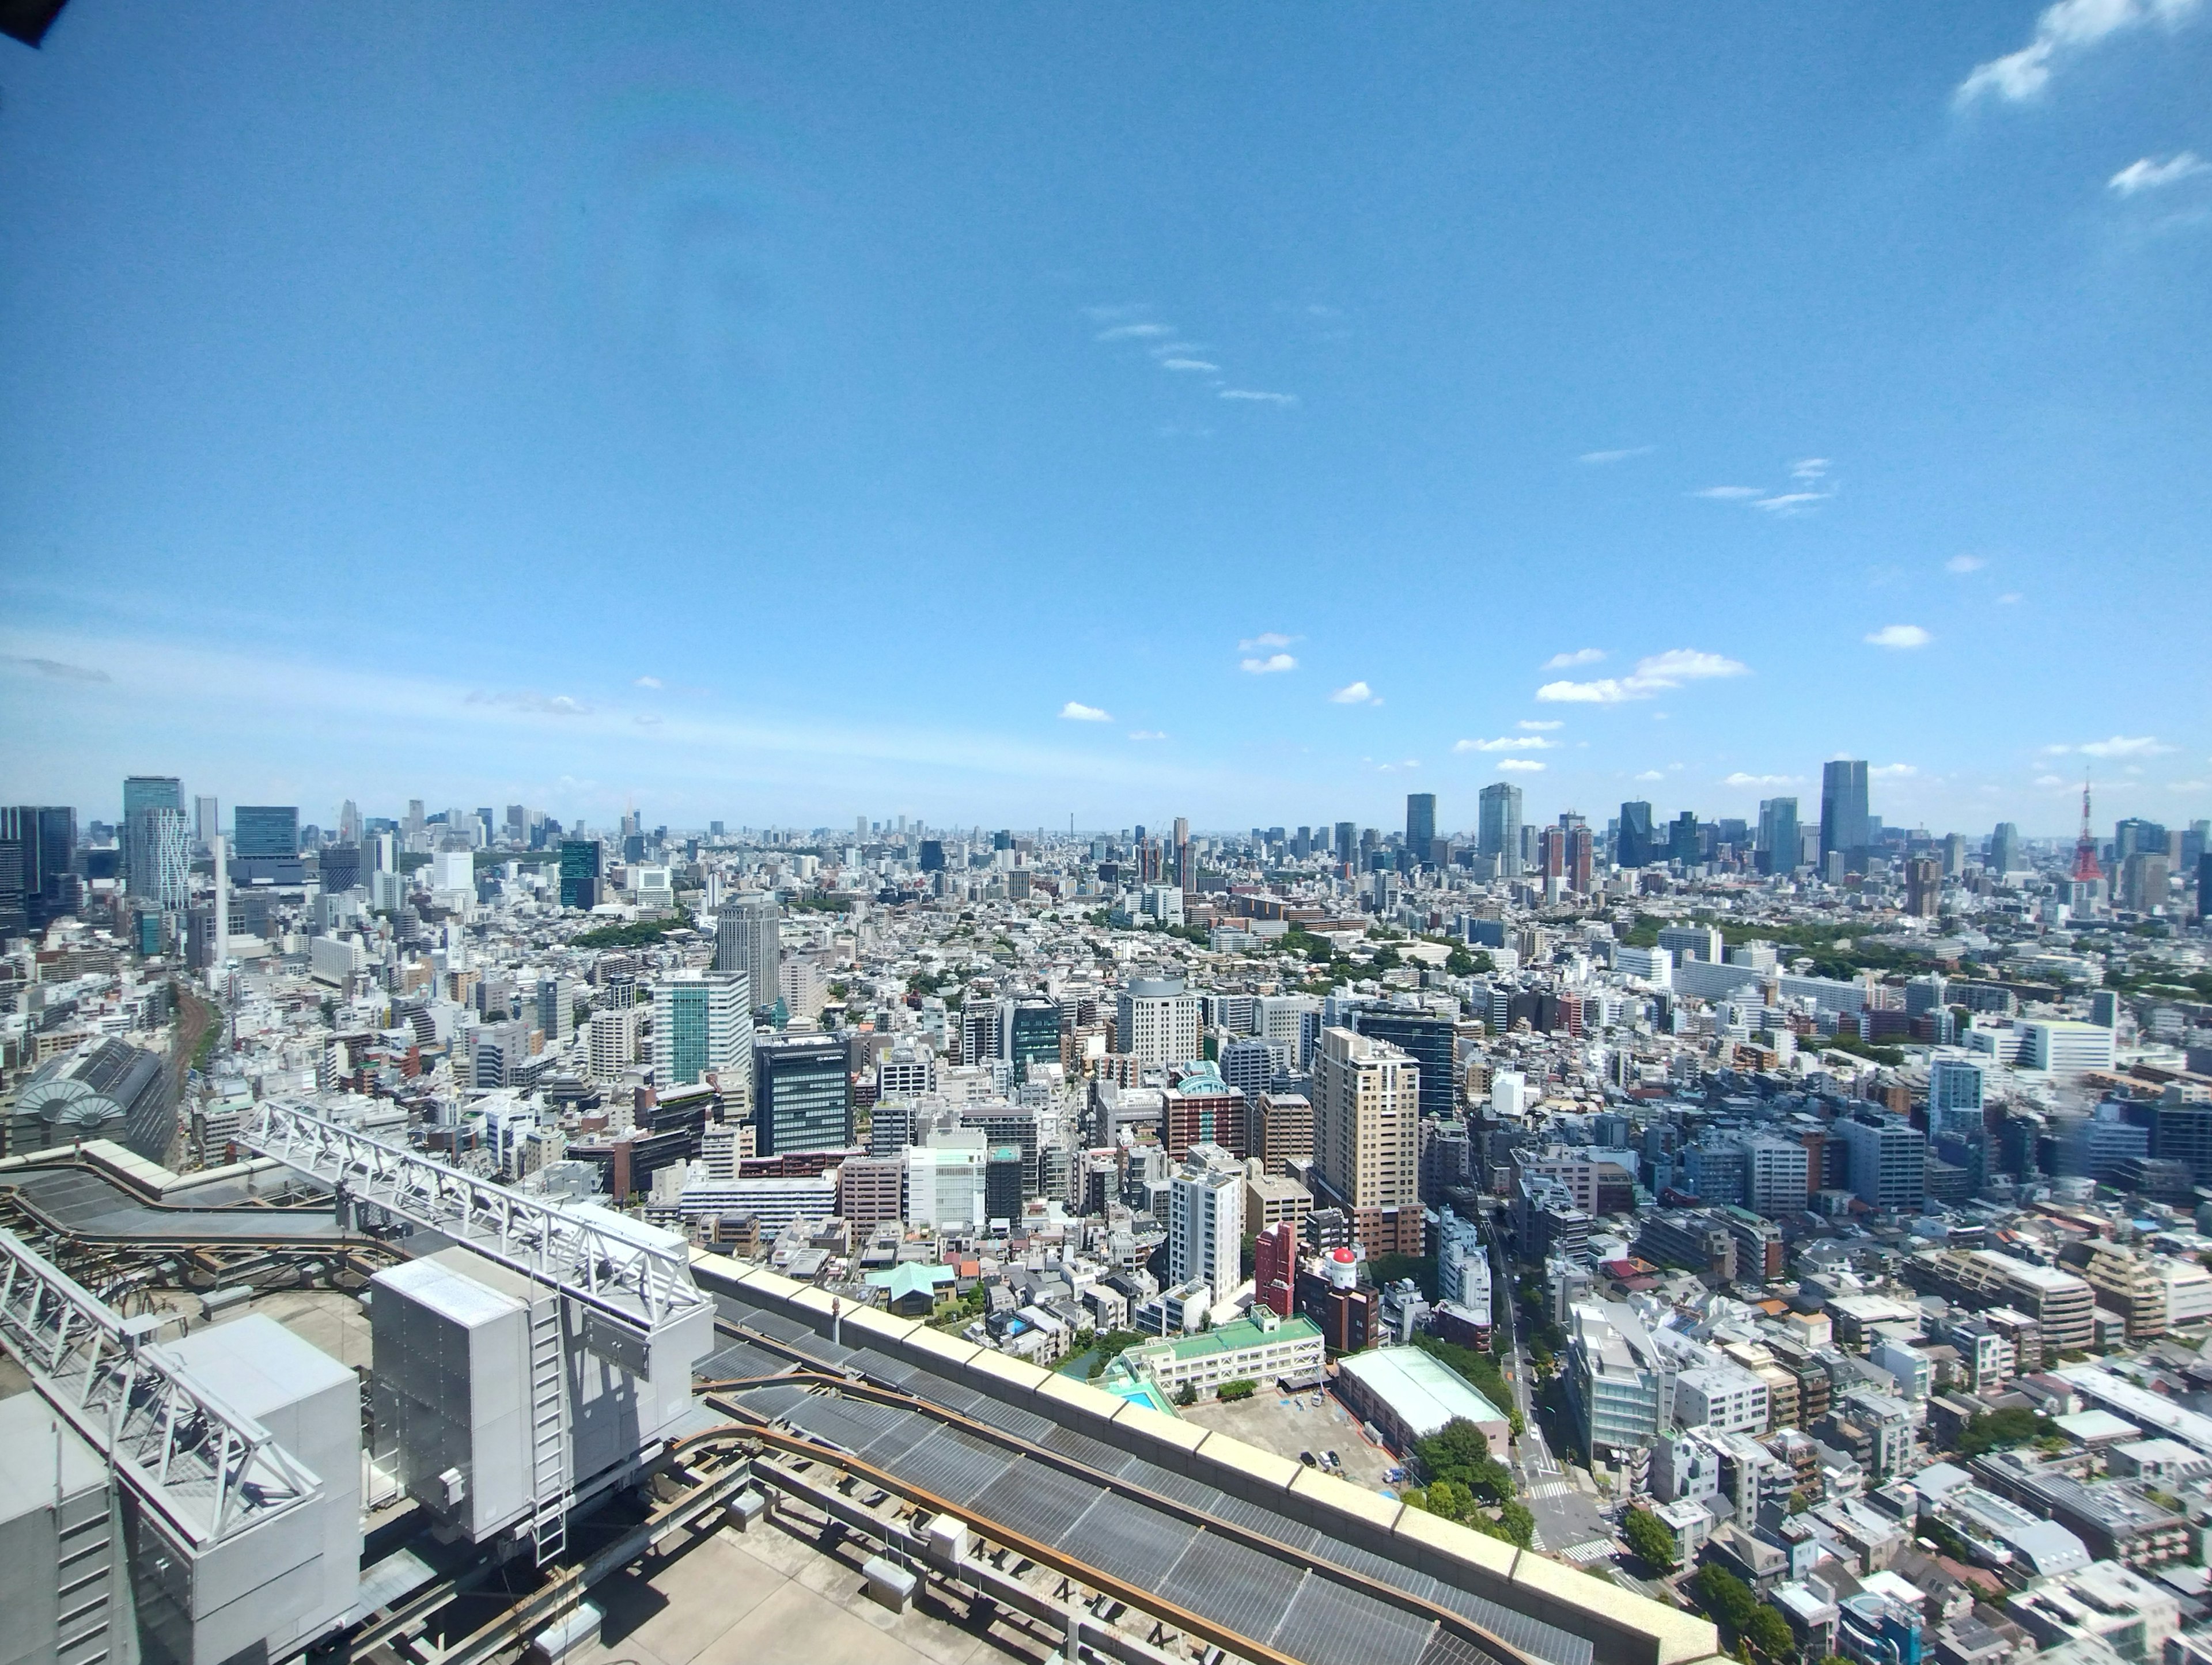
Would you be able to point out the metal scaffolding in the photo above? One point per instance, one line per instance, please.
(639, 1285)
(209, 1472)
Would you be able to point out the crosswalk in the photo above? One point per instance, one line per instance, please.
(1598, 1549)
(1549, 1489)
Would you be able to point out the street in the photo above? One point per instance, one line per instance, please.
(1568, 1518)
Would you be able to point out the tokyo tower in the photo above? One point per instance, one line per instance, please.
(2086, 869)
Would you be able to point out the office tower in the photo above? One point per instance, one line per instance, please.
(207, 821)
(1684, 843)
(18, 869)
(1205, 1222)
(413, 825)
(2204, 887)
(2135, 834)
(2144, 881)
(38, 853)
(1581, 857)
(1779, 839)
(1552, 853)
(1420, 825)
(703, 1026)
(1157, 1022)
(219, 912)
(1428, 1038)
(1347, 840)
(748, 938)
(1886, 1159)
(802, 1094)
(1367, 1138)
(581, 861)
(932, 855)
(1498, 828)
(349, 823)
(1924, 886)
(1634, 845)
(264, 832)
(2005, 850)
(157, 856)
(1843, 806)
(142, 793)
(340, 868)
(1186, 865)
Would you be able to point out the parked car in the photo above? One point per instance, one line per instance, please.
(1307, 1458)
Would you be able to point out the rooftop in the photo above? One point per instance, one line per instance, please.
(1426, 1392)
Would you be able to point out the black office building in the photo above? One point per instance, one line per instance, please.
(802, 1094)
(1635, 845)
(1430, 1039)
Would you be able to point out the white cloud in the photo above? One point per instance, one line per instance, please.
(1267, 639)
(2119, 746)
(1809, 468)
(1963, 564)
(1186, 364)
(1730, 494)
(1509, 742)
(1621, 456)
(1254, 396)
(1147, 734)
(648, 681)
(2008, 598)
(1739, 779)
(1075, 712)
(2186, 786)
(1899, 635)
(1521, 766)
(1652, 675)
(1537, 726)
(530, 700)
(2051, 781)
(2063, 29)
(1357, 693)
(2146, 174)
(1580, 656)
(1891, 771)
(1651, 775)
(1792, 503)
(1269, 665)
(1132, 332)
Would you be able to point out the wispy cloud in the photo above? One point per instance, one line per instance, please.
(1892, 771)
(1621, 456)
(647, 682)
(1254, 396)
(1520, 766)
(2150, 174)
(58, 670)
(2119, 746)
(1809, 468)
(1268, 666)
(530, 700)
(2186, 786)
(1076, 712)
(1899, 635)
(1792, 503)
(1652, 676)
(1188, 364)
(1739, 779)
(2062, 31)
(1569, 662)
(1265, 641)
(1357, 693)
(1539, 725)
(1651, 775)
(1147, 734)
(1730, 494)
(1963, 564)
(2052, 780)
(2010, 597)
(1508, 743)
(1133, 332)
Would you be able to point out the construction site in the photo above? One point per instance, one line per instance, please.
(342, 1401)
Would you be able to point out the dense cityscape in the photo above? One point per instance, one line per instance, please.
(1801, 1223)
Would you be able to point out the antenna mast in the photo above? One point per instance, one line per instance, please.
(2086, 869)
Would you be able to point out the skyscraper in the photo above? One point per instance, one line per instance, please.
(1684, 843)
(1779, 840)
(2005, 856)
(1367, 1138)
(1634, 845)
(142, 793)
(43, 838)
(1186, 868)
(802, 1094)
(207, 821)
(1347, 840)
(749, 938)
(1843, 806)
(1206, 1221)
(581, 865)
(1421, 826)
(702, 1025)
(1498, 830)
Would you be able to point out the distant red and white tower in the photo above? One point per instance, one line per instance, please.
(2086, 869)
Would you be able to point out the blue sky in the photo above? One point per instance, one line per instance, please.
(1016, 412)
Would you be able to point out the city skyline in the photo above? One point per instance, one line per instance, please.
(736, 425)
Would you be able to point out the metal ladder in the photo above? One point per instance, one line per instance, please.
(549, 1433)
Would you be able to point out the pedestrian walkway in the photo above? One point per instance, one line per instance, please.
(1598, 1549)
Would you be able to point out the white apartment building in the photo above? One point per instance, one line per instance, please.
(1206, 1221)
(613, 1043)
(2066, 1047)
(1157, 1021)
(1724, 1398)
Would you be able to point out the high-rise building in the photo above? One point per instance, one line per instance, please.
(1498, 828)
(2005, 853)
(38, 854)
(582, 862)
(1956, 1098)
(142, 793)
(1186, 863)
(802, 1095)
(1886, 1161)
(1843, 806)
(264, 830)
(1779, 840)
(2144, 883)
(1421, 826)
(1684, 842)
(1347, 840)
(1428, 1038)
(703, 1026)
(1275, 1267)
(1367, 1138)
(158, 856)
(1206, 1221)
(1924, 886)
(1635, 845)
(1157, 1021)
(749, 938)
(207, 821)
